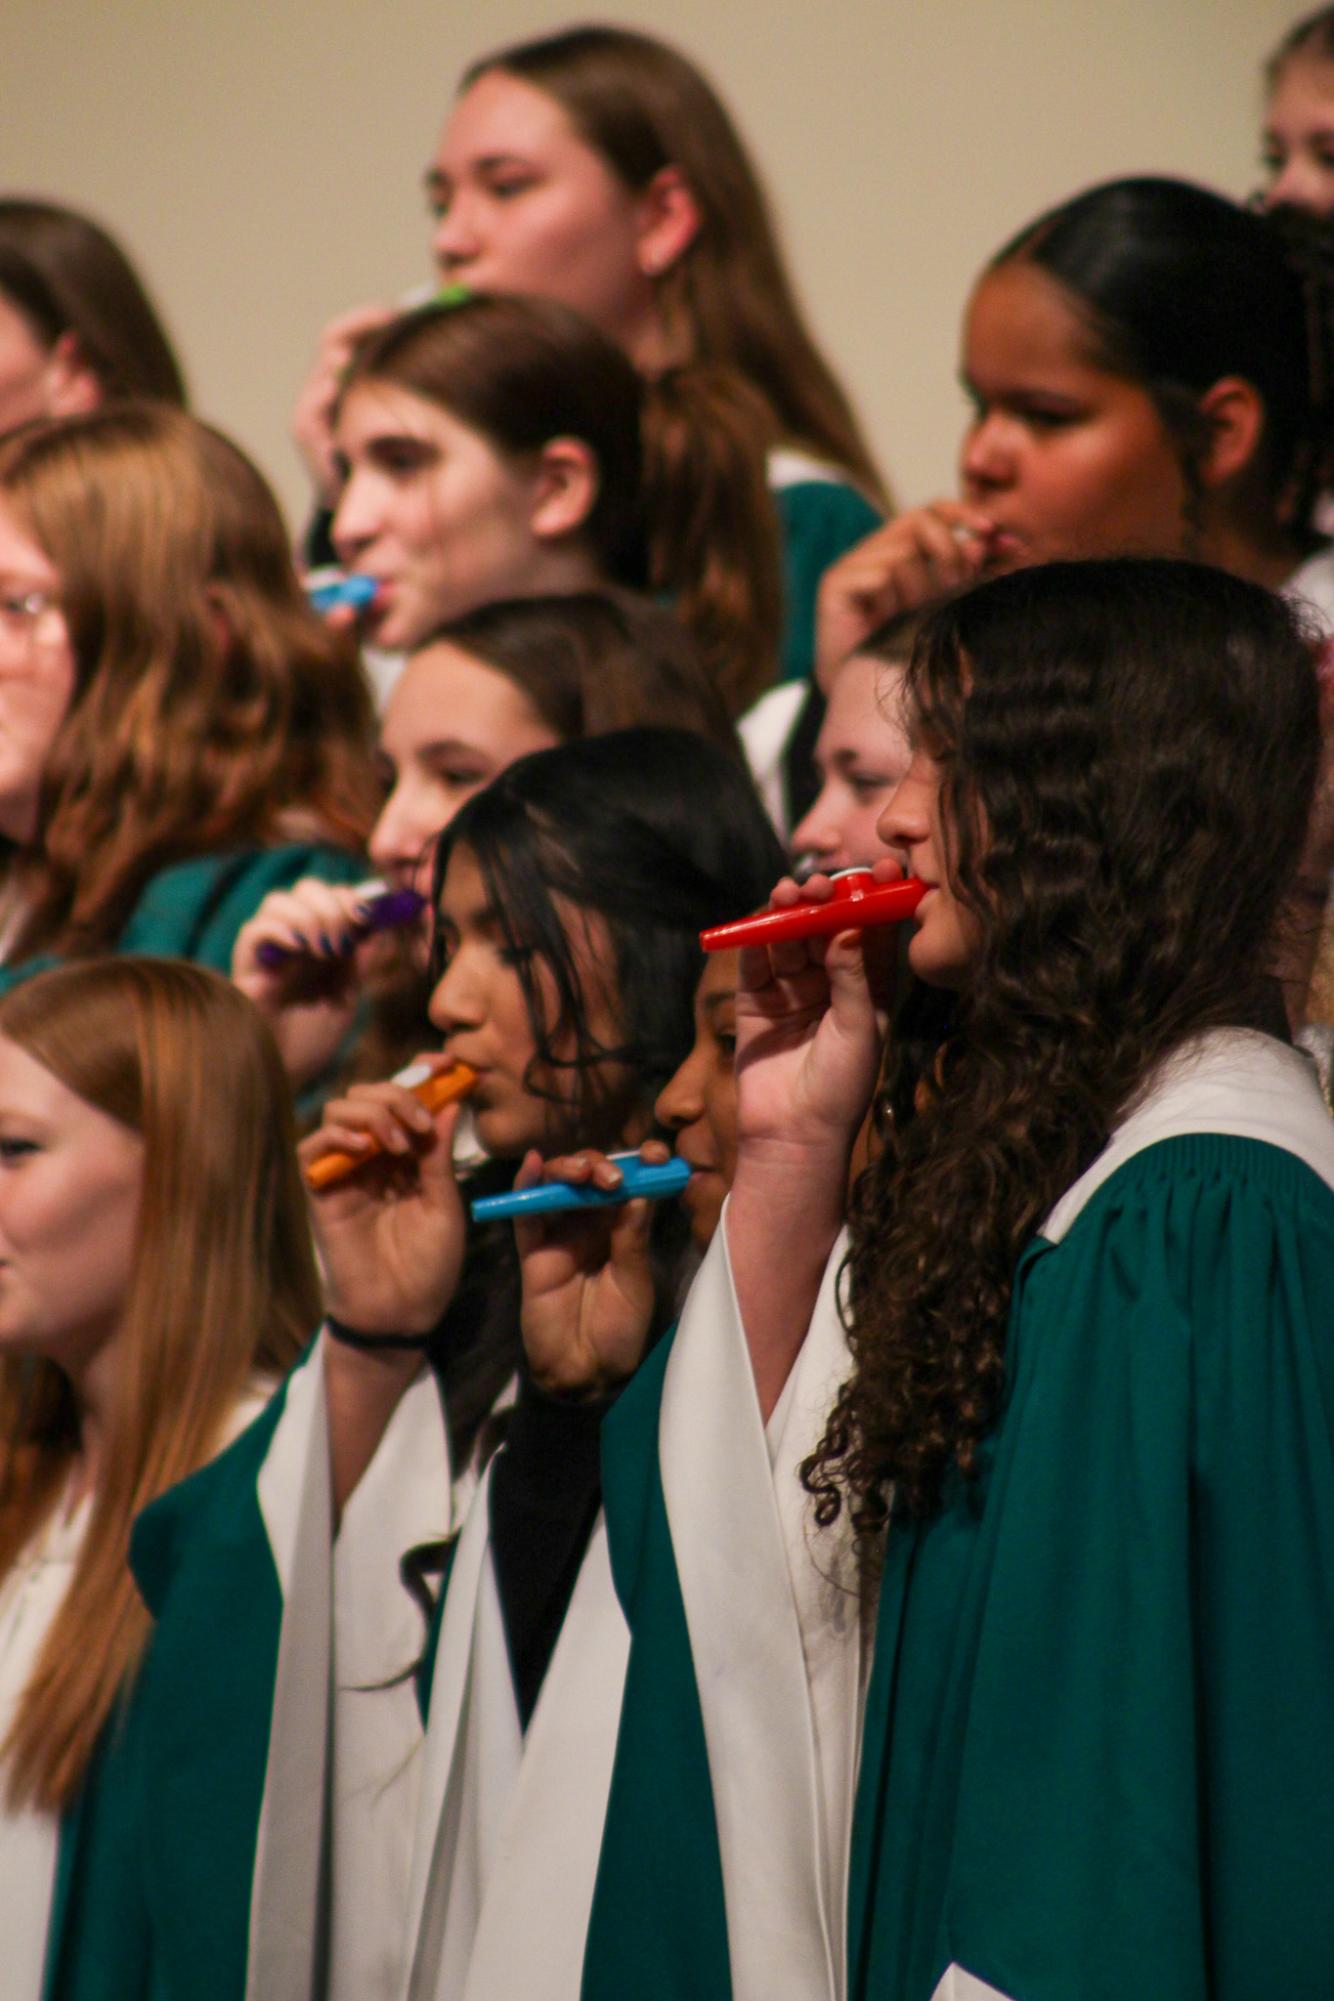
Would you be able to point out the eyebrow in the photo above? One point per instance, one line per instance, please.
(436, 177)
(714, 1001)
(390, 439)
(449, 746)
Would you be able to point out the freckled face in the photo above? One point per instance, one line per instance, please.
(70, 1183)
(698, 1104)
(1069, 460)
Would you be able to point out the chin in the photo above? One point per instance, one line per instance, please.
(705, 1214)
(506, 1137)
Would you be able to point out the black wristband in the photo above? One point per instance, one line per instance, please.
(353, 1337)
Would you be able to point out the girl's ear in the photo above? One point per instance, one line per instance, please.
(1233, 412)
(669, 221)
(565, 489)
(72, 389)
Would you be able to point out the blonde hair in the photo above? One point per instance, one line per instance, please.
(210, 705)
(642, 106)
(223, 1285)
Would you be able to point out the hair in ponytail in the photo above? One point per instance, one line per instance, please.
(1180, 287)
(522, 371)
(682, 503)
(713, 536)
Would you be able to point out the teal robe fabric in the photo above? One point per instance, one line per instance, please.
(658, 1926)
(1098, 1756)
(194, 909)
(820, 520)
(1099, 1747)
(153, 1881)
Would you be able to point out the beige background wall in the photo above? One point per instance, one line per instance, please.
(263, 161)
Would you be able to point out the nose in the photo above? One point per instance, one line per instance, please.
(680, 1102)
(356, 518)
(1296, 185)
(986, 462)
(457, 1000)
(454, 241)
(904, 821)
(818, 833)
(396, 841)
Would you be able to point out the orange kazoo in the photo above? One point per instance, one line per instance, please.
(434, 1088)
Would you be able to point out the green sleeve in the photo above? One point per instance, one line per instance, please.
(820, 520)
(1100, 1745)
(156, 1861)
(658, 1927)
(195, 909)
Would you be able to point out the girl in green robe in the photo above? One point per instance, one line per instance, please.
(157, 1279)
(1058, 1607)
(181, 733)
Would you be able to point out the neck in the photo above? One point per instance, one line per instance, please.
(1261, 556)
(91, 1384)
(563, 569)
(652, 345)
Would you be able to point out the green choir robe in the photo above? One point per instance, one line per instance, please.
(1097, 1756)
(821, 515)
(246, 1832)
(194, 909)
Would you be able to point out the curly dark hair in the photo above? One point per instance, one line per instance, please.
(1129, 752)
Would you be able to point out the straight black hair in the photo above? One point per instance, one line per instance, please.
(1180, 287)
(655, 832)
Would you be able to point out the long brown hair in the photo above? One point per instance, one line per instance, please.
(211, 706)
(728, 298)
(683, 504)
(1129, 753)
(223, 1287)
(67, 276)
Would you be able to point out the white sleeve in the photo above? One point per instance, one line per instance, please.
(775, 1637)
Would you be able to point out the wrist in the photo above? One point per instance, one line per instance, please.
(793, 1198)
(372, 1341)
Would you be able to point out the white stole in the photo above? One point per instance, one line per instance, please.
(510, 1826)
(775, 1633)
(329, 1893)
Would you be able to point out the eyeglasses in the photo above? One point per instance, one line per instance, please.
(20, 609)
